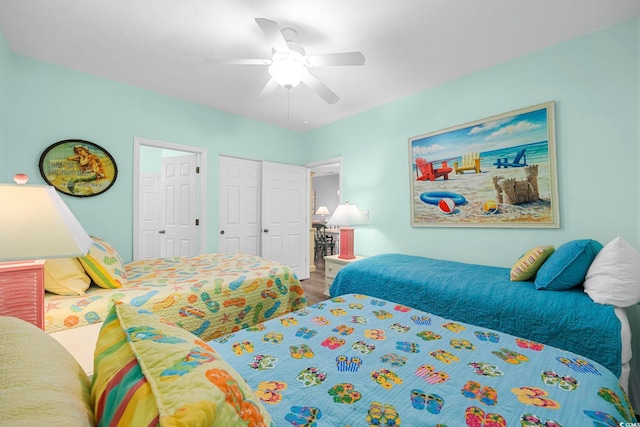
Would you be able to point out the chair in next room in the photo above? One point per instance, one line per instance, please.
(324, 243)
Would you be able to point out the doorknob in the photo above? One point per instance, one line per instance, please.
(221, 231)
(266, 230)
(161, 232)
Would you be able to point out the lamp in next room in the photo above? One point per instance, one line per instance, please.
(35, 224)
(345, 216)
(322, 210)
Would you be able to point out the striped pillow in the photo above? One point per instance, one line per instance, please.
(104, 265)
(149, 372)
(527, 266)
(121, 394)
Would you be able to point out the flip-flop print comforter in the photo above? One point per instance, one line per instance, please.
(361, 361)
(210, 295)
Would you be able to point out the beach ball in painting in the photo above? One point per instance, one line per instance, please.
(446, 205)
(490, 207)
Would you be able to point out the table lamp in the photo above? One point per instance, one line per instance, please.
(322, 210)
(35, 224)
(345, 216)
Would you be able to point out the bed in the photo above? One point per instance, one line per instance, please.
(486, 296)
(353, 360)
(358, 360)
(210, 295)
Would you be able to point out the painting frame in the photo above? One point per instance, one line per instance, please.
(496, 172)
(78, 168)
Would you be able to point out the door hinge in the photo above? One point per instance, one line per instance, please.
(197, 222)
(197, 169)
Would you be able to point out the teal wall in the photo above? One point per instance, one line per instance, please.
(592, 79)
(51, 103)
(5, 79)
(594, 83)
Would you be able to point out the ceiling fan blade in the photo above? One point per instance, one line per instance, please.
(268, 89)
(240, 61)
(331, 59)
(321, 89)
(273, 34)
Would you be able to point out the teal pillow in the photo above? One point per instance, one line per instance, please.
(567, 266)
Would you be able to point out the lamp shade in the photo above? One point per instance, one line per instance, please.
(322, 210)
(347, 215)
(36, 224)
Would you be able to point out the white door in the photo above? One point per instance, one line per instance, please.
(284, 215)
(179, 235)
(257, 196)
(150, 207)
(239, 205)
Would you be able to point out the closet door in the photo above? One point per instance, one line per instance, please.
(263, 210)
(284, 215)
(239, 205)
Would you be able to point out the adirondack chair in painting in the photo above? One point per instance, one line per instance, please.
(470, 161)
(426, 171)
(519, 160)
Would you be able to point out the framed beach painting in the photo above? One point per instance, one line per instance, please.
(495, 172)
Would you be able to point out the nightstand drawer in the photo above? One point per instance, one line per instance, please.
(332, 265)
(331, 269)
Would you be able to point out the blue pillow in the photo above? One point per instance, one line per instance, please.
(567, 266)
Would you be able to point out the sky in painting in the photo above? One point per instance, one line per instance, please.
(492, 135)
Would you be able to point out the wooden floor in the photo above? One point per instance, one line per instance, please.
(314, 285)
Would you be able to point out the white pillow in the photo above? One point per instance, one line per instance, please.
(614, 275)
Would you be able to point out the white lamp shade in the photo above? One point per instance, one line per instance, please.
(36, 224)
(322, 210)
(347, 215)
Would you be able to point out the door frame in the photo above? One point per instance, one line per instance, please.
(201, 182)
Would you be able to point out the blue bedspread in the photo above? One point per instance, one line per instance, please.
(484, 296)
(359, 361)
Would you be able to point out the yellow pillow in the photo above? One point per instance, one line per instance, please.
(65, 276)
(42, 384)
(104, 265)
(527, 266)
(148, 371)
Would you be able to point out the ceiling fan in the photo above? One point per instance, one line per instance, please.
(289, 64)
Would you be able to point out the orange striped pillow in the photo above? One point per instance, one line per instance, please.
(104, 265)
(528, 265)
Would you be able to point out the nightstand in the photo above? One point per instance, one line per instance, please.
(22, 291)
(333, 264)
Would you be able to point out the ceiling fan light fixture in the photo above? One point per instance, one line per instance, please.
(288, 68)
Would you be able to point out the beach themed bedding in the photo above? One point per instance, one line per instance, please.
(485, 296)
(209, 294)
(357, 360)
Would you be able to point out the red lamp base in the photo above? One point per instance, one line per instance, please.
(346, 243)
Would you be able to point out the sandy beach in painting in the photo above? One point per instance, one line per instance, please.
(477, 188)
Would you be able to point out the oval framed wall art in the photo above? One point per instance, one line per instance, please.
(78, 168)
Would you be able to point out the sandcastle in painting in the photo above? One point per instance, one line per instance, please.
(514, 191)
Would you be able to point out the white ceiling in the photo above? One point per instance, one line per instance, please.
(166, 46)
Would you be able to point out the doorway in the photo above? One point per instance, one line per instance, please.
(169, 183)
(326, 186)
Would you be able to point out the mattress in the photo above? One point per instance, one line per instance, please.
(485, 296)
(210, 294)
(358, 360)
